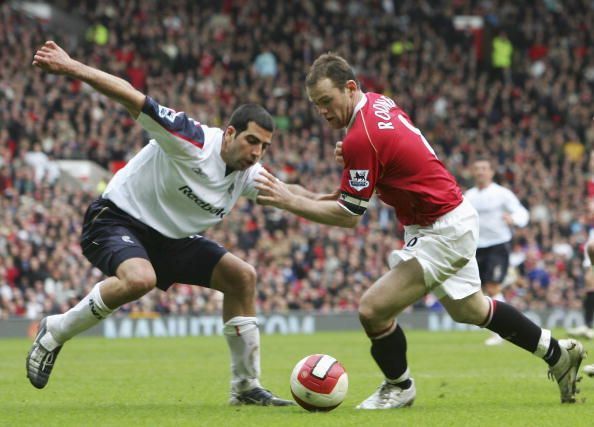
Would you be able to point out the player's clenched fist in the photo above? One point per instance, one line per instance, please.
(52, 58)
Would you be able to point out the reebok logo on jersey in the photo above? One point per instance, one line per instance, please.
(187, 191)
(359, 179)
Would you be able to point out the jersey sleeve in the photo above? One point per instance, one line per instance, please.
(175, 132)
(359, 176)
(249, 189)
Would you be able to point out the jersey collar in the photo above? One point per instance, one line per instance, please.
(359, 105)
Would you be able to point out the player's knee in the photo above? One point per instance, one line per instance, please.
(470, 314)
(464, 317)
(246, 280)
(140, 283)
(367, 311)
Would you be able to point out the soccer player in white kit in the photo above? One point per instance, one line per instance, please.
(142, 232)
(499, 211)
(383, 152)
(587, 331)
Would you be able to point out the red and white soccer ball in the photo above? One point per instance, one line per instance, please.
(319, 383)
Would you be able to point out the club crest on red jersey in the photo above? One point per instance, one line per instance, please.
(359, 179)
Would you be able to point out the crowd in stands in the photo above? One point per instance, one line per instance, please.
(518, 89)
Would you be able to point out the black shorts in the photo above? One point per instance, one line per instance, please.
(110, 236)
(493, 262)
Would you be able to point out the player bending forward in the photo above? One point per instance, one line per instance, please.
(384, 152)
(142, 231)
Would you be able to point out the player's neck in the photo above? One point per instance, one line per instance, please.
(356, 99)
(228, 170)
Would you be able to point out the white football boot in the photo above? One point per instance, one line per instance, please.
(42, 356)
(390, 396)
(589, 370)
(566, 369)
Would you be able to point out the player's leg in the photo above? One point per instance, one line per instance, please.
(589, 297)
(378, 308)
(200, 261)
(110, 243)
(563, 357)
(237, 280)
(589, 300)
(493, 274)
(134, 278)
(431, 255)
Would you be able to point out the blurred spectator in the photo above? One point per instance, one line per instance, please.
(536, 123)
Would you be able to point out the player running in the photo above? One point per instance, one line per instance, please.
(499, 210)
(142, 231)
(384, 152)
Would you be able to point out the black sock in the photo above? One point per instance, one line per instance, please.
(389, 352)
(516, 328)
(553, 353)
(589, 309)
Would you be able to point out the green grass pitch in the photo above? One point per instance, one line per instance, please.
(184, 382)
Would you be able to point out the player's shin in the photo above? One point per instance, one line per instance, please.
(87, 313)
(516, 328)
(243, 338)
(388, 349)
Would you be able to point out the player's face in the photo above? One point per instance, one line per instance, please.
(240, 151)
(335, 104)
(482, 172)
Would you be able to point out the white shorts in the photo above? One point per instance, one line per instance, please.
(446, 251)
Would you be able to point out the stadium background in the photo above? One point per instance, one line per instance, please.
(514, 83)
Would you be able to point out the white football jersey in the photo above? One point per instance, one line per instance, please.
(177, 184)
(491, 203)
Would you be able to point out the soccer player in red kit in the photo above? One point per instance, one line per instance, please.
(384, 152)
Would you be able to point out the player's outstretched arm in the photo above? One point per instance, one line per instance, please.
(53, 59)
(299, 190)
(274, 192)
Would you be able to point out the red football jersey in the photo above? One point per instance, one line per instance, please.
(383, 151)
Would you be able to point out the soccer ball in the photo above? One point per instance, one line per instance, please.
(319, 383)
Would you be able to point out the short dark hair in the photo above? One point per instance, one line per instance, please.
(246, 113)
(332, 66)
(483, 158)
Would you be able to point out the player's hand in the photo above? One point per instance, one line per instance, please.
(338, 153)
(273, 192)
(508, 219)
(52, 58)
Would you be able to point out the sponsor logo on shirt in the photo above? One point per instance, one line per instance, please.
(187, 191)
(359, 179)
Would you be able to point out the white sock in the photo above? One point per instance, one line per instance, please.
(87, 313)
(243, 338)
(544, 344)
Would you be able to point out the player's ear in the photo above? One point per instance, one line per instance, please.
(230, 132)
(351, 86)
